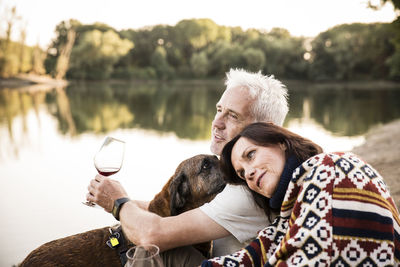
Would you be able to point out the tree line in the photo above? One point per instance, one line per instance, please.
(16, 57)
(199, 48)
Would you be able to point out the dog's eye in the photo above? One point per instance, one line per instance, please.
(205, 165)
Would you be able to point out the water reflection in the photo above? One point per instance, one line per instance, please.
(344, 111)
(48, 139)
(184, 109)
(187, 109)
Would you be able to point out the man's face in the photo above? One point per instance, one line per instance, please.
(233, 114)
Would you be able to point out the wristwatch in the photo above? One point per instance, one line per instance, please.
(118, 205)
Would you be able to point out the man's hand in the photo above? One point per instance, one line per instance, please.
(104, 191)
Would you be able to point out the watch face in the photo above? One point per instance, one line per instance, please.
(117, 206)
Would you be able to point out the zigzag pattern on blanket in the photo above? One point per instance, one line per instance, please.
(337, 211)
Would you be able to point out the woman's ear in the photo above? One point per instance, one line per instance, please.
(282, 146)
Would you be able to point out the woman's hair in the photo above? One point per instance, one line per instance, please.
(267, 134)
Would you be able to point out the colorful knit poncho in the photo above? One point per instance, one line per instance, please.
(337, 211)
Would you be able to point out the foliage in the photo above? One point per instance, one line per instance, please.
(199, 64)
(199, 48)
(96, 53)
(255, 59)
(374, 5)
(352, 51)
(20, 58)
(160, 64)
(16, 57)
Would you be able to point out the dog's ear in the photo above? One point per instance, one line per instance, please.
(179, 191)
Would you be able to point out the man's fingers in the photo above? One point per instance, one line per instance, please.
(91, 189)
(94, 184)
(99, 178)
(89, 197)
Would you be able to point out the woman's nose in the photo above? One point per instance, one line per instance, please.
(250, 173)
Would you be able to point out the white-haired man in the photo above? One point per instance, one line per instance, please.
(232, 218)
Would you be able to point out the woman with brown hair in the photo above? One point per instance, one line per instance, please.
(334, 208)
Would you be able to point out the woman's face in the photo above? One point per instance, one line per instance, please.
(261, 167)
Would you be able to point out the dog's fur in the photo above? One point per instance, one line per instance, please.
(196, 181)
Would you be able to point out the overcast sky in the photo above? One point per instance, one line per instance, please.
(300, 17)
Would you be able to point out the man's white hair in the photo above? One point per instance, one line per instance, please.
(269, 94)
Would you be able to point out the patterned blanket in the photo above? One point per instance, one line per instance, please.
(337, 211)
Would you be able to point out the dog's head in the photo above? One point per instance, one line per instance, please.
(196, 181)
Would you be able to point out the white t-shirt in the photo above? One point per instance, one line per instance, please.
(235, 210)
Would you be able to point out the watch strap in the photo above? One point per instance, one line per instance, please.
(118, 205)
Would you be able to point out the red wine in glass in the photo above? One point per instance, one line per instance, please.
(108, 160)
(107, 171)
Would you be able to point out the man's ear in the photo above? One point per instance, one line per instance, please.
(179, 191)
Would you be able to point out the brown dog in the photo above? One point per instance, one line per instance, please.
(196, 181)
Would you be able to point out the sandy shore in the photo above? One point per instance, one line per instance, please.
(382, 151)
(31, 82)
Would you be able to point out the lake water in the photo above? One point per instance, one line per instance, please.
(48, 139)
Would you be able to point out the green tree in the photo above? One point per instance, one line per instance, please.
(64, 55)
(352, 51)
(224, 55)
(255, 59)
(197, 34)
(95, 55)
(393, 61)
(199, 64)
(56, 47)
(374, 5)
(160, 64)
(9, 59)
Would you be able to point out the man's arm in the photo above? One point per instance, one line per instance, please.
(144, 227)
(191, 227)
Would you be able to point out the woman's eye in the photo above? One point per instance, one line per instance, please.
(250, 155)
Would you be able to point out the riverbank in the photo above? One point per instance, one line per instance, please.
(382, 150)
(31, 82)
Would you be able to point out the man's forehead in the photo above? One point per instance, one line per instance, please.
(229, 108)
(238, 105)
(235, 96)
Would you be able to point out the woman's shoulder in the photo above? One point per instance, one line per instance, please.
(326, 160)
(332, 158)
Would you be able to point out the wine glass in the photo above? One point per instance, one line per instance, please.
(144, 256)
(108, 160)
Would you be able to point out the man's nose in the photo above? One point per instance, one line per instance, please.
(218, 121)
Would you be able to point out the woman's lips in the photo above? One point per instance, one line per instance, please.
(259, 180)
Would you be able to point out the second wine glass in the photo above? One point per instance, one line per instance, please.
(144, 256)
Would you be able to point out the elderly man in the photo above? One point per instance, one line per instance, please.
(232, 218)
